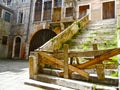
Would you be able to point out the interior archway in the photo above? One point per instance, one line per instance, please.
(40, 38)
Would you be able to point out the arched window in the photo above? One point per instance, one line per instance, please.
(38, 10)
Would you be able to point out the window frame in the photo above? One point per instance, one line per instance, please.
(7, 16)
(4, 40)
(70, 14)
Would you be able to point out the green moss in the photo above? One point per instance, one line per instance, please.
(114, 74)
(79, 26)
(118, 27)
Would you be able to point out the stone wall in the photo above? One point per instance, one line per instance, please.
(4, 31)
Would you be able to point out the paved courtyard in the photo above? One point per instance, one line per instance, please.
(13, 74)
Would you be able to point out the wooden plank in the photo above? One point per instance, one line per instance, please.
(83, 54)
(88, 53)
(100, 71)
(45, 61)
(72, 68)
(66, 74)
(31, 67)
(100, 58)
(40, 64)
(106, 66)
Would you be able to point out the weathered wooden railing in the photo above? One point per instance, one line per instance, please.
(60, 59)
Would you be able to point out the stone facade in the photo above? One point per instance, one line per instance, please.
(31, 16)
(6, 17)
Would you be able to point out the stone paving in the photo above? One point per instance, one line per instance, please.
(13, 74)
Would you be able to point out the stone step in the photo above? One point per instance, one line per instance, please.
(103, 22)
(96, 31)
(46, 86)
(77, 84)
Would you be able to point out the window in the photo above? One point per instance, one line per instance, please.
(48, 5)
(69, 11)
(58, 3)
(23, 1)
(20, 17)
(38, 10)
(47, 10)
(0, 11)
(8, 2)
(7, 17)
(4, 40)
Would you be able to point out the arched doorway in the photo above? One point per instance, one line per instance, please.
(17, 46)
(41, 37)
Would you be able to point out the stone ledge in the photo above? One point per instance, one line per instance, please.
(44, 85)
(73, 84)
(93, 77)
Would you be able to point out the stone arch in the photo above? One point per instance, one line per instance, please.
(40, 38)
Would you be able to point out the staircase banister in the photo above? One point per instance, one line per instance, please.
(57, 41)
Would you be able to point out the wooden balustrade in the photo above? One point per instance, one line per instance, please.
(61, 59)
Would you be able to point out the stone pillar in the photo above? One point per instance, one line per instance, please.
(118, 29)
(42, 10)
(33, 65)
(29, 27)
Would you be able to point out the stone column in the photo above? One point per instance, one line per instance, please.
(29, 27)
(33, 65)
(118, 29)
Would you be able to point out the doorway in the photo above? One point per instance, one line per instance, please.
(17, 46)
(40, 38)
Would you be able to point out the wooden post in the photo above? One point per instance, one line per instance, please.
(99, 67)
(40, 64)
(33, 64)
(31, 69)
(66, 73)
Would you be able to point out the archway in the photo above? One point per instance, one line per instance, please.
(17, 47)
(41, 37)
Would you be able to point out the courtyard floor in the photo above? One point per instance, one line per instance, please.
(13, 74)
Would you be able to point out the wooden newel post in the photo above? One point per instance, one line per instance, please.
(66, 73)
(99, 66)
(33, 65)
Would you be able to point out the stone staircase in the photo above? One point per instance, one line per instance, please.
(103, 32)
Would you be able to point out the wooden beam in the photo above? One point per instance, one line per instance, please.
(66, 74)
(100, 71)
(31, 67)
(100, 58)
(46, 61)
(72, 68)
(106, 66)
(88, 53)
(83, 54)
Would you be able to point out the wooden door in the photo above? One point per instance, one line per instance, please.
(109, 10)
(83, 10)
(17, 47)
(56, 14)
